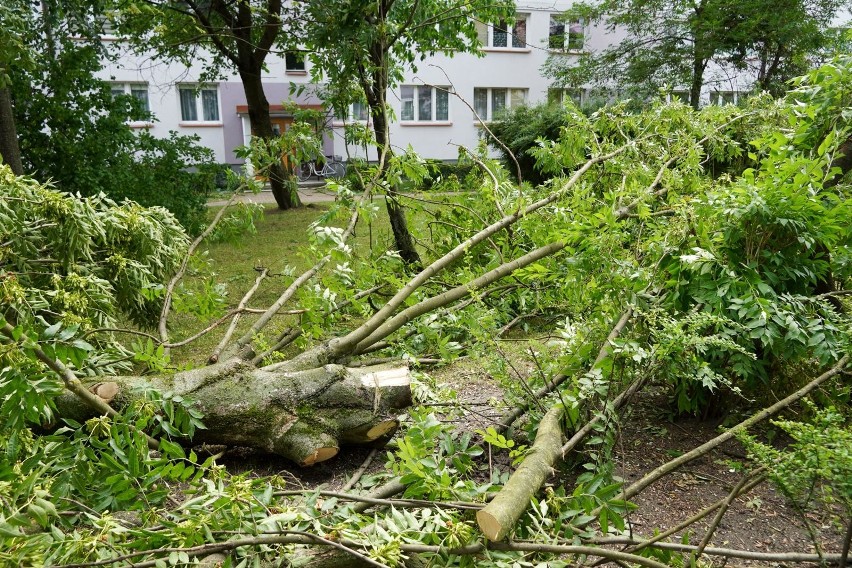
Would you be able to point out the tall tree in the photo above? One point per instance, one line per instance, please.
(676, 42)
(363, 47)
(13, 22)
(67, 125)
(235, 37)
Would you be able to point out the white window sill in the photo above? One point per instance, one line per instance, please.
(506, 49)
(199, 123)
(426, 123)
(140, 124)
(295, 72)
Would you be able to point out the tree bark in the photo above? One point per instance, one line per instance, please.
(375, 93)
(499, 517)
(304, 416)
(282, 184)
(10, 149)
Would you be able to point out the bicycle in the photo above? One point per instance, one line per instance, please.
(331, 168)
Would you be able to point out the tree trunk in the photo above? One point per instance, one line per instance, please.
(396, 213)
(304, 416)
(10, 150)
(282, 183)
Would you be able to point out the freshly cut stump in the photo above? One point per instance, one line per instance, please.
(304, 416)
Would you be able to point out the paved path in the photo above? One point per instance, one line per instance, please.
(309, 192)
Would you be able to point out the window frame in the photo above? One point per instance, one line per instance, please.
(129, 88)
(486, 35)
(489, 100)
(417, 119)
(557, 96)
(567, 34)
(295, 57)
(718, 97)
(198, 91)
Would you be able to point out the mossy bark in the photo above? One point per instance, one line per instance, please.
(301, 415)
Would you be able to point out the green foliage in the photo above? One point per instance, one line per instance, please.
(74, 132)
(521, 129)
(816, 465)
(70, 269)
(449, 176)
(81, 261)
(671, 43)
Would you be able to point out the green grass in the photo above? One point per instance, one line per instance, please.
(280, 244)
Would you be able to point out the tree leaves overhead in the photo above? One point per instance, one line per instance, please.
(687, 45)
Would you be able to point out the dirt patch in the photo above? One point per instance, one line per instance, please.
(761, 520)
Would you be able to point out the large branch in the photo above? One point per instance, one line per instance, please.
(347, 343)
(456, 293)
(701, 450)
(500, 516)
(303, 416)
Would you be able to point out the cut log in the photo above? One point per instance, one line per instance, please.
(497, 518)
(302, 415)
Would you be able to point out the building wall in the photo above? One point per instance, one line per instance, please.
(163, 80)
(511, 68)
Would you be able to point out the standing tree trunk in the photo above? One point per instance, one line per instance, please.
(375, 92)
(281, 182)
(10, 150)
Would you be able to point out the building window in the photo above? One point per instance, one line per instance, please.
(723, 98)
(566, 34)
(294, 62)
(358, 111)
(423, 103)
(559, 96)
(489, 102)
(199, 105)
(139, 91)
(503, 34)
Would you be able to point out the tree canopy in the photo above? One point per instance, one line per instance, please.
(382, 41)
(688, 45)
(224, 38)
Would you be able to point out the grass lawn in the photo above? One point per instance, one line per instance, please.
(281, 244)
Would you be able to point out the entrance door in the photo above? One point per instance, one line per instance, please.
(280, 124)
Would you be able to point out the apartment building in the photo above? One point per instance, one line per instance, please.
(437, 108)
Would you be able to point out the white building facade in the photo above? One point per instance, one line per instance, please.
(436, 109)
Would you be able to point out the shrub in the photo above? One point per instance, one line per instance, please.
(74, 132)
(519, 129)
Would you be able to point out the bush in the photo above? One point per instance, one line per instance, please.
(441, 173)
(74, 132)
(519, 130)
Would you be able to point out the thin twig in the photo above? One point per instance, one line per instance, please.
(723, 508)
(214, 357)
(360, 471)
(170, 288)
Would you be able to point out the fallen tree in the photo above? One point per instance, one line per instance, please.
(630, 212)
(304, 416)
